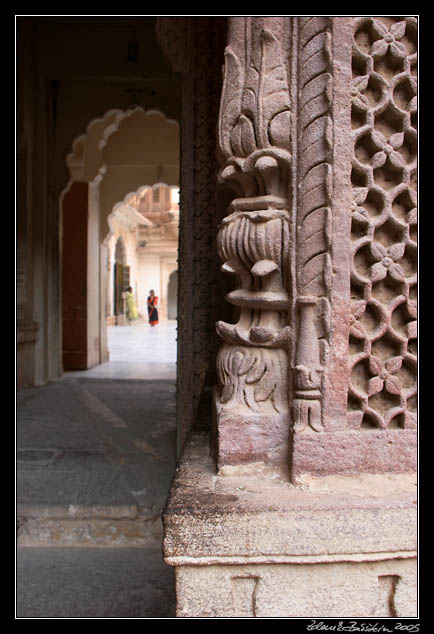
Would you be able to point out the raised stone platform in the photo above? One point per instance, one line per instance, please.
(246, 542)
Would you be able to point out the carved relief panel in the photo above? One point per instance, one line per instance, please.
(313, 219)
(254, 242)
(315, 113)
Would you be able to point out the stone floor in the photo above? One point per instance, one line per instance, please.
(138, 351)
(95, 460)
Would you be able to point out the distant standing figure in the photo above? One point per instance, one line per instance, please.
(152, 308)
(132, 313)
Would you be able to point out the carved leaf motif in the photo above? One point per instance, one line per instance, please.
(378, 159)
(357, 330)
(315, 277)
(273, 93)
(396, 251)
(398, 49)
(396, 140)
(306, 413)
(375, 365)
(256, 371)
(378, 250)
(410, 420)
(379, 48)
(266, 94)
(230, 105)
(412, 308)
(265, 387)
(379, 28)
(394, 364)
(243, 137)
(263, 267)
(412, 330)
(375, 385)
(412, 217)
(246, 363)
(398, 29)
(396, 272)
(279, 130)
(393, 385)
(396, 159)
(361, 82)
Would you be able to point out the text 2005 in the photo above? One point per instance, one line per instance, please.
(407, 628)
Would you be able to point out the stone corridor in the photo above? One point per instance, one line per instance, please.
(95, 459)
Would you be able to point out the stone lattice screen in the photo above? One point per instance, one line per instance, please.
(383, 276)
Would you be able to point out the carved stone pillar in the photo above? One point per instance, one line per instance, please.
(317, 136)
(317, 117)
(254, 242)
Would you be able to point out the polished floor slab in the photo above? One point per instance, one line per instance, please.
(138, 351)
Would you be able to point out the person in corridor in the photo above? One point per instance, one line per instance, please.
(131, 305)
(152, 308)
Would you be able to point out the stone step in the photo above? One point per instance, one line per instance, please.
(87, 500)
(86, 526)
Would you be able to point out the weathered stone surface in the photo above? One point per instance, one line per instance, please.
(377, 589)
(383, 334)
(260, 514)
(350, 452)
(323, 547)
(250, 438)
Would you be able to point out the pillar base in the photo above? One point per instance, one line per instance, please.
(353, 452)
(247, 543)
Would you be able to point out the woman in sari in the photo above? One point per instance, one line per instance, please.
(152, 308)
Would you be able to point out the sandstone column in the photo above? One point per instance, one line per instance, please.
(255, 242)
(309, 506)
(316, 119)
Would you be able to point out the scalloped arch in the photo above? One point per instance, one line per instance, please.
(85, 161)
(124, 203)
